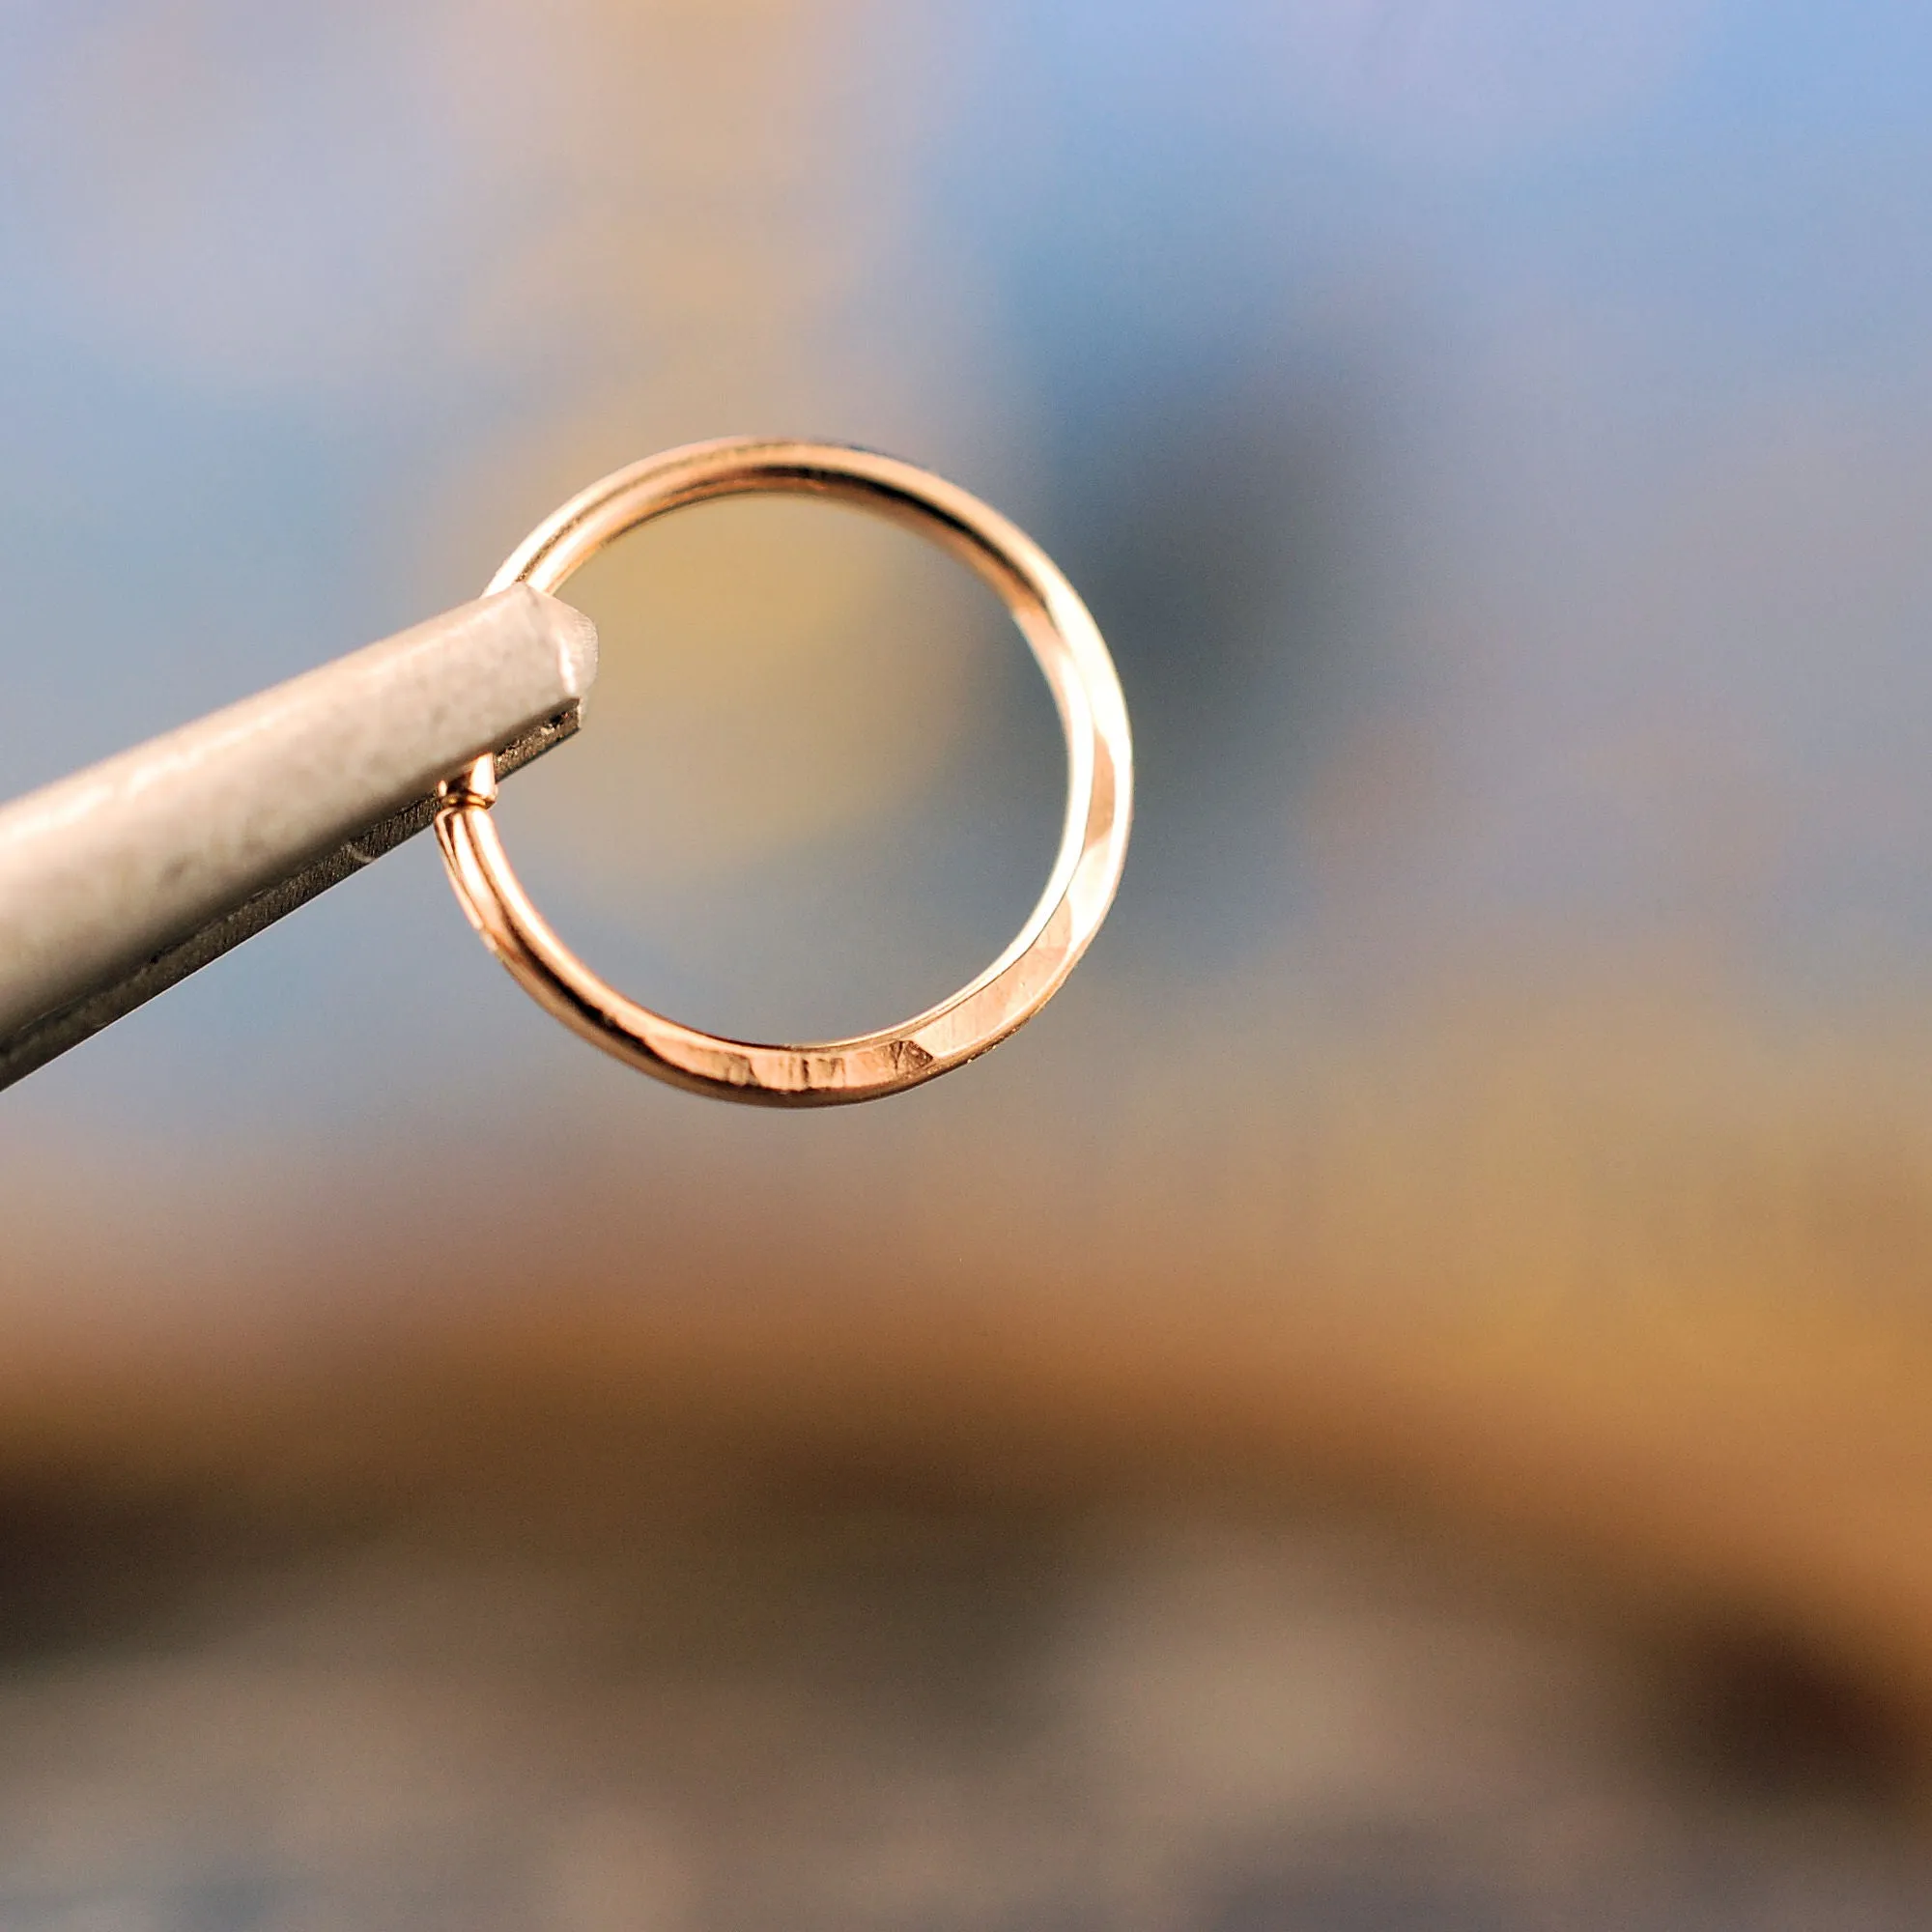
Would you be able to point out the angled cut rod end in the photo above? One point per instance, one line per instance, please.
(104, 871)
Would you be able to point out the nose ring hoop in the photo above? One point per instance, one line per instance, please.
(1071, 655)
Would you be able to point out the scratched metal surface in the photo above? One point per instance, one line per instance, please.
(34, 1046)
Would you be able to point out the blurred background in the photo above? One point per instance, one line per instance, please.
(1398, 1401)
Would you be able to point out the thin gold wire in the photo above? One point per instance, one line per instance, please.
(1071, 655)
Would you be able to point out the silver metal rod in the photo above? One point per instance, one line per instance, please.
(118, 882)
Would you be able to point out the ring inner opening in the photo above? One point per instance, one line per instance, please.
(820, 781)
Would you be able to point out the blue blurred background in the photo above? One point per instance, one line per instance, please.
(1493, 438)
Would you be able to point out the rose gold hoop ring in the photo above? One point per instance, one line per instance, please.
(1093, 848)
